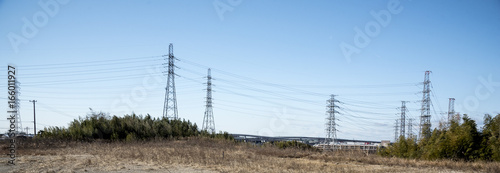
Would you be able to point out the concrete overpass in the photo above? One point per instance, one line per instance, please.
(303, 139)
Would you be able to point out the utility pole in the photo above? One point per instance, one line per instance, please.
(403, 119)
(331, 129)
(170, 104)
(208, 119)
(34, 117)
(425, 117)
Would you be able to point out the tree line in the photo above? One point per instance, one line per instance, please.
(100, 126)
(458, 139)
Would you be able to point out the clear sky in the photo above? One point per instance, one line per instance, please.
(275, 63)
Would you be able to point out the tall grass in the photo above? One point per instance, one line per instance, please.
(221, 156)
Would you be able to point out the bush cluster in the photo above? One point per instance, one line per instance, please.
(127, 128)
(292, 144)
(458, 139)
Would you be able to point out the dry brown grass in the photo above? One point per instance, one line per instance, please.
(205, 155)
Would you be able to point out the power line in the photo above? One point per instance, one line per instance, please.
(377, 103)
(50, 108)
(78, 81)
(251, 79)
(350, 113)
(263, 100)
(355, 86)
(271, 93)
(306, 113)
(88, 63)
(281, 91)
(266, 116)
(86, 72)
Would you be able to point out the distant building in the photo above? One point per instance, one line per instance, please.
(385, 143)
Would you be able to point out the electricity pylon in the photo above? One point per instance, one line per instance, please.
(403, 119)
(331, 129)
(425, 117)
(170, 104)
(208, 119)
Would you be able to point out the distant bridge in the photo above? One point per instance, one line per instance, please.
(303, 139)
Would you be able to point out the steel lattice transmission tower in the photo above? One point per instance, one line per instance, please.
(410, 128)
(396, 130)
(425, 117)
(208, 119)
(170, 104)
(331, 129)
(18, 123)
(403, 119)
(451, 109)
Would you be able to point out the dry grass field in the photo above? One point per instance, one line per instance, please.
(209, 155)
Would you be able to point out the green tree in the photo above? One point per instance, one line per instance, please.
(98, 125)
(457, 141)
(490, 144)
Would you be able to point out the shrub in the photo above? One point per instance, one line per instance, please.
(460, 140)
(98, 125)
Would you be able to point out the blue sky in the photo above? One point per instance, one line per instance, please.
(275, 63)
